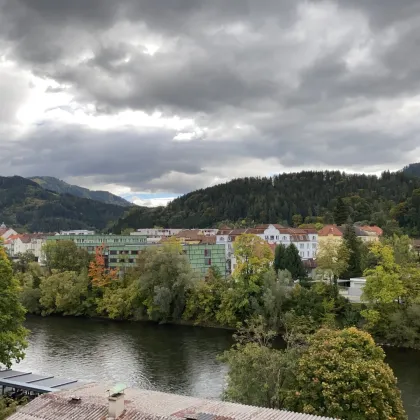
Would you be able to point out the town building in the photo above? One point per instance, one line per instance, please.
(76, 232)
(6, 232)
(28, 242)
(155, 235)
(305, 240)
(334, 233)
(121, 251)
(97, 402)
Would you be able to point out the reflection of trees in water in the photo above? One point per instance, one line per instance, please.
(406, 366)
(162, 357)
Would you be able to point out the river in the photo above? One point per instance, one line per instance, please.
(160, 357)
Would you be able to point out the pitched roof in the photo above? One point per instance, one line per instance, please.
(276, 225)
(328, 230)
(373, 229)
(143, 405)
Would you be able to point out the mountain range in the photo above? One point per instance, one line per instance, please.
(27, 206)
(61, 187)
(391, 201)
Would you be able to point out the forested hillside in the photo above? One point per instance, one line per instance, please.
(380, 200)
(61, 187)
(412, 169)
(24, 204)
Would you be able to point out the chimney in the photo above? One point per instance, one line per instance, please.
(116, 405)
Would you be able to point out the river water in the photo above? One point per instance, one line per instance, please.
(166, 358)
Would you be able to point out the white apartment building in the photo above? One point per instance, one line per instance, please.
(305, 240)
(19, 244)
(76, 232)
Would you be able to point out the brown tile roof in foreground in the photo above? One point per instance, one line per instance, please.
(373, 229)
(143, 405)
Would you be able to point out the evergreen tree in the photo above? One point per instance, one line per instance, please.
(12, 315)
(341, 212)
(354, 245)
(279, 256)
(293, 263)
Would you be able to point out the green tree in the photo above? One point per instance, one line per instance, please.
(205, 298)
(64, 293)
(293, 263)
(166, 277)
(341, 212)
(259, 375)
(332, 260)
(254, 258)
(354, 246)
(21, 265)
(297, 220)
(279, 257)
(342, 374)
(65, 256)
(12, 315)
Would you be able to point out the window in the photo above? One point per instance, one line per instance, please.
(134, 252)
(207, 252)
(314, 238)
(221, 238)
(313, 245)
(113, 260)
(308, 253)
(272, 237)
(207, 261)
(113, 252)
(266, 236)
(131, 261)
(277, 237)
(307, 245)
(301, 246)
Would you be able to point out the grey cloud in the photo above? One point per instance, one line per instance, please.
(223, 64)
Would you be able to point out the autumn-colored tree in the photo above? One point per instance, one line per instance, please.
(101, 275)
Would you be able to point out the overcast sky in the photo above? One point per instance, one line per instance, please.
(153, 98)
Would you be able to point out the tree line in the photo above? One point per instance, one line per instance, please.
(389, 201)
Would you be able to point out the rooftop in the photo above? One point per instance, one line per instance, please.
(143, 405)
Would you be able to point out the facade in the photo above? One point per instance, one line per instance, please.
(91, 242)
(305, 240)
(155, 235)
(121, 251)
(335, 233)
(19, 244)
(95, 402)
(76, 232)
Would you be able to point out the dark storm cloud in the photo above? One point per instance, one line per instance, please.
(313, 82)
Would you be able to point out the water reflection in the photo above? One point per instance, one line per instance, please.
(166, 358)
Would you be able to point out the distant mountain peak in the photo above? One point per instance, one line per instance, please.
(57, 185)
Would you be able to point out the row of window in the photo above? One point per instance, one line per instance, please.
(116, 260)
(113, 252)
(307, 246)
(302, 254)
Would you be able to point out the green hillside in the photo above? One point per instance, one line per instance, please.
(61, 187)
(24, 204)
(384, 200)
(412, 169)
